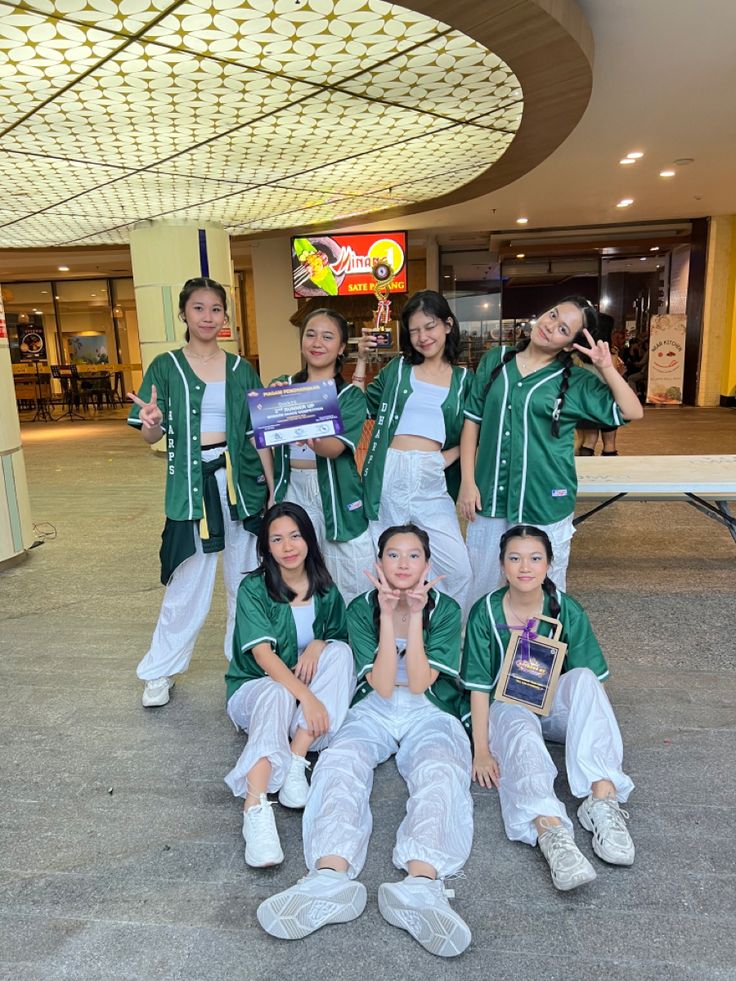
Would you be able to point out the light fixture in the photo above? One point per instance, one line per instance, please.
(93, 294)
(23, 318)
(44, 291)
(627, 160)
(521, 221)
(520, 255)
(654, 248)
(666, 173)
(604, 301)
(635, 155)
(63, 268)
(117, 312)
(625, 202)
(642, 258)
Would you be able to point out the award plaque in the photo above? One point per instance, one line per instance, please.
(531, 669)
(294, 413)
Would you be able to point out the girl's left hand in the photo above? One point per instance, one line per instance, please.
(598, 352)
(416, 598)
(306, 667)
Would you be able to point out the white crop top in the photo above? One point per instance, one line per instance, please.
(422, 414)
(212, 419)
(304, 623)
(300, 451)
(402, 678)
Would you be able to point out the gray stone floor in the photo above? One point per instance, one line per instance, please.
(121, 848)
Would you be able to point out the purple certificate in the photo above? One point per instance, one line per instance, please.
(292, 413)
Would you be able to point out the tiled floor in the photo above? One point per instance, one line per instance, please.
(121, 850)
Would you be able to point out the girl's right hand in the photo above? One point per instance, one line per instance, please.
(485, 769)
(388, 597)
(315, 715)
(150, 414)
(469, 500)
(366, 344)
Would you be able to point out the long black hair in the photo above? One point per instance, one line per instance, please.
(342, 325)
(386, 536)
(200, 283)
(314, 565)
(434, 305)
(590, 323)
(531, 531)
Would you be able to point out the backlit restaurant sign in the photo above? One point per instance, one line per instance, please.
(341, 265)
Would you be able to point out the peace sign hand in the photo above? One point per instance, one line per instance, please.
(150, 414)
(598, 352)
(388, 598)
(417, 597)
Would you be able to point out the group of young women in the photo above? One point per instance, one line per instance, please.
(388, 673)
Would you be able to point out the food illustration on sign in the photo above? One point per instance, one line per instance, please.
(313, 267)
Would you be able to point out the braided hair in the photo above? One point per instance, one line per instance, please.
(531, 531)
(386, 536)
(590, 323)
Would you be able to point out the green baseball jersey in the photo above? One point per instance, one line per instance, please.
(179, 394)
(261, 620)
(386, 396)
(486, 640)
(523, 473)
(339, 484)
(441, 645)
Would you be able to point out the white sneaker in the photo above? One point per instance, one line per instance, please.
(156, 692)
(420, 907)
(569, 867)
(295, 788)
(322, 897)
(611, 839)
(262, 845)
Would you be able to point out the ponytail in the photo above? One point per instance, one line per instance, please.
(551, 590)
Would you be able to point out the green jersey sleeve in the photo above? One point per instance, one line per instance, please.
(253, 623)
(442, 638)
(588, 397)
(476, 398)
(374, 392)
(362, 633)
(353, 412)
(583, 649)
(155, 375)
(336, 622)
(481, 655)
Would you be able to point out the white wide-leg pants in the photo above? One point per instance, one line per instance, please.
(414, 490)
(484, 538)
(582, 719)
(432, 755)
(188, 595)
(270, 715)
(346, 561)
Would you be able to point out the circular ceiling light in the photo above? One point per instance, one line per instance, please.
(666, 173)
(625, 202)
(522, 221)
(635, 155)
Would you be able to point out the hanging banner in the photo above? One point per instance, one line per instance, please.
(342, 265)
(666, 358)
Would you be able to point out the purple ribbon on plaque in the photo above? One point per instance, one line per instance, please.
(527, 634)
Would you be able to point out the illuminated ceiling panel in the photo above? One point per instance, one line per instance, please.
(259, 114)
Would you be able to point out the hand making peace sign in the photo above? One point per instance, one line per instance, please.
(417, 597)
(598, 352)
(388, 597)
(150, 414)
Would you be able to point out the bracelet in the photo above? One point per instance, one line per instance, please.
(358, 378)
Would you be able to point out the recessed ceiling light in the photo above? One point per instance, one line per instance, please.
(642, 258)
(63, 268)
(627, 160)
(520, 255)
(521, 221)
(666, 173)
(635, 155)
(44, 291)
(93, 294)
(654, 248)
(625, 202)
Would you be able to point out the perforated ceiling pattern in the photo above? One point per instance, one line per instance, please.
(260, 114)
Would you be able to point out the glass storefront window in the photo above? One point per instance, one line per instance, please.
(471, 283)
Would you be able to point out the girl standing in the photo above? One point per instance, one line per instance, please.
(411, 471)
(509, 749)
(518, 441)
(217, 484)
(406, 642)
(320, 474)
(291, 678)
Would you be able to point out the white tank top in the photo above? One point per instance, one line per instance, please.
(304, 623)
(300, 451)
(213, 408)
(422, 413)
(402, 678)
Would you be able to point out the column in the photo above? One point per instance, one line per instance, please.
(279, 351)
(16, 526)
(717, 375)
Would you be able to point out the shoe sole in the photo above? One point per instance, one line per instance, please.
(291, 917)
(440, 933)
(588, 825)
(580, 880)
(267, 863)
(292, 804)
